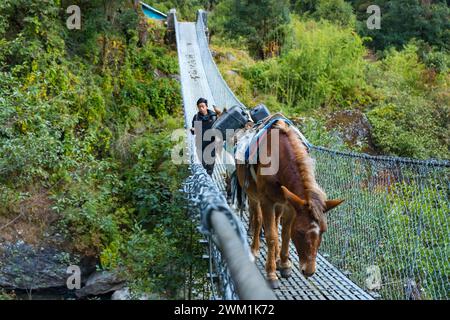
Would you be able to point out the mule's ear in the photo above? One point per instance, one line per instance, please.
(331, 204)
(217, 111)
(292, 197)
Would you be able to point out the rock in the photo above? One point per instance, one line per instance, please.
(122, 294)
(23, 267)
(175, 77)
(88, 265)
(151, 296)
(219, 56)
(159, 74)
(230, 57)
(100, 283)
(214, 53)
(232, 73)
(353, 128)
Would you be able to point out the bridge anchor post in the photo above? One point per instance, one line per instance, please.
(204, 16)
(171, 18)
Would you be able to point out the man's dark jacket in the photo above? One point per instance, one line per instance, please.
(207, 123)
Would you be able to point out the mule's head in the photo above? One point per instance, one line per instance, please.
(307, 229)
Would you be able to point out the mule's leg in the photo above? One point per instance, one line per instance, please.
(271, 235)
(256, 216)
(278, 214)
(251, 217)
(285, 266)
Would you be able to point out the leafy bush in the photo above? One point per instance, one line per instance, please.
(160, 260)
(417, 232)
(336, 11)
(437, 60)
(409, 119)
(323, 66)
(261, 23)
(165, 261)
(396, 127)
(6, 296)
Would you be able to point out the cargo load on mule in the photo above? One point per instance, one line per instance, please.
(259, 113)
(234, 118)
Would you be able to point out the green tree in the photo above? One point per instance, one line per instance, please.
(261, 22)
(186, 9)
(337, 11)
(78, 128)
(303, 6)
(403, 20)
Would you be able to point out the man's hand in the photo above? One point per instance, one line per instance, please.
(218, 111)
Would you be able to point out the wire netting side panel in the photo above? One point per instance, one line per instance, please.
(223, 95)
(391, 236)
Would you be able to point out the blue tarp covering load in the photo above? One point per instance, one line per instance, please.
(152, 13)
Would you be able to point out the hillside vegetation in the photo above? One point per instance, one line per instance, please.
(86, 117)
(321, 62)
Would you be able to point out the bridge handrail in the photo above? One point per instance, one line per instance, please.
(429, 163)
(246, 276)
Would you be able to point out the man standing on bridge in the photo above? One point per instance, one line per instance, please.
(202, 122)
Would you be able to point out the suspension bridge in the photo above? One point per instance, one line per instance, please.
(389, 241)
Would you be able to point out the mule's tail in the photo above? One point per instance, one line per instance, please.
(238, 195)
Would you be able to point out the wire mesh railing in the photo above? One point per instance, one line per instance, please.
(204, 198)
(223, 95)
(392, 235)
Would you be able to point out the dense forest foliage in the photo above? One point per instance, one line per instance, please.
(86, 115)
(321, 60)
(86, 118)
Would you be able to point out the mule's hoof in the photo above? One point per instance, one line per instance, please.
(281, 266)
(274, 284)
(286, 272)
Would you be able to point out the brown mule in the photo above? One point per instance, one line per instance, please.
(290, 196)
